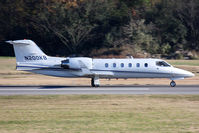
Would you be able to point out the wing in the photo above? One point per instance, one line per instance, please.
(85, 71)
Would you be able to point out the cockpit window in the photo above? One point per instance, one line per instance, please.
(162, 63)
(65, 61)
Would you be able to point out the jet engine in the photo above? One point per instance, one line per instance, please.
(77, 63)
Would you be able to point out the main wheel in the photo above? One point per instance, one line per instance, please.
(173, 83)
(92, 82)
(95, 82)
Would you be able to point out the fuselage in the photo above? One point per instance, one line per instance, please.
(109, 68)
(31, 58)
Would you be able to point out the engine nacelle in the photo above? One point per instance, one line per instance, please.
(77, 63)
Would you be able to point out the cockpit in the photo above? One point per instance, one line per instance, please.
(162, 64)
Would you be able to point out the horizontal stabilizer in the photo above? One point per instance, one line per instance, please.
(18, 42)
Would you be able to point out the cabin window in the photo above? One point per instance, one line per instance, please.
(106, 64)
(122, 64)
(138, 65)
(114, 64)
(162, 63)
(146, 64)
(130, 65)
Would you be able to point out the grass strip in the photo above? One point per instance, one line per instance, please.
(99, 113)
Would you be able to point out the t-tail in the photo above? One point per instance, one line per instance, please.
(28, 54)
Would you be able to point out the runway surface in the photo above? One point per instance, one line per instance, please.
(64, 90)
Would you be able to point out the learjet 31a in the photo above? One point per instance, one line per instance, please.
(29, 57)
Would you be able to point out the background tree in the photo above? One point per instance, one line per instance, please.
(170, 30)
(140, 34)
(188, 13)
(76, 26)
(64, 27)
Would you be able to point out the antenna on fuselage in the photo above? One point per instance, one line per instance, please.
(129, 56)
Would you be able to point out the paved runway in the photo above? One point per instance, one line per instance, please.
(64, 90)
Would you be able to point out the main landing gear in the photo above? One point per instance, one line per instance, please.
(95, 82)
(173, 83)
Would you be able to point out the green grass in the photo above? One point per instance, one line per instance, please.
(184, 62)
(99, 113)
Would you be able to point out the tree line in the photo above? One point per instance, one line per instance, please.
(103, 27)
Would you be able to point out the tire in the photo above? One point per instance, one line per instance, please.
(92, 82)
(173, 83)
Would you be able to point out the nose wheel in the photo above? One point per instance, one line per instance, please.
(173, 83)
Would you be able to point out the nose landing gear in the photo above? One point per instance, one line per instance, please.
(173, 83)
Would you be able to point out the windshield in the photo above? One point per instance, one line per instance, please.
(65, 61)
(162, 63)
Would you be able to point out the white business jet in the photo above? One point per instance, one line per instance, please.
(29, 57)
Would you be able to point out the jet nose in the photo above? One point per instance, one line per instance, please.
(182, 73)
(187, 74)
(190, 74)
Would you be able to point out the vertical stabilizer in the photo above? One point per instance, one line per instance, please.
(27, 51)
